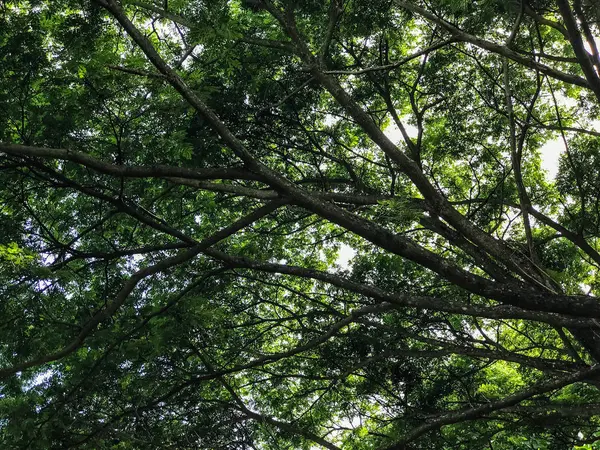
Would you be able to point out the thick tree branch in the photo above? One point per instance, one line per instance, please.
(369, 230)
(436, 202)
(410, 301)
(576, 41)
(158, 171)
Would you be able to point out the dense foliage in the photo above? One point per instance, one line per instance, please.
(299, 224)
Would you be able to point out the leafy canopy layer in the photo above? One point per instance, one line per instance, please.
(279, 224)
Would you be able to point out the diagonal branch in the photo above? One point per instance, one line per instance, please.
(437, 203)
(367, 229)
(121, 297)
(476, 412)
(496, 48)
(396, 64)
(577, 43)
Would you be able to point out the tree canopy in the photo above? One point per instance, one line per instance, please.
(299, 224)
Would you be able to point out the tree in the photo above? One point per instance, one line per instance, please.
(284, 224)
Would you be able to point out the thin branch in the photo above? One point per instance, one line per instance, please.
(496, 48)
(396, 64)
(476, 412)
(262, 418)
(134, 280)
(514, 151)
(134, 71)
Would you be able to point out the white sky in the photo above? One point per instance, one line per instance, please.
(345, 255)
(550, 155)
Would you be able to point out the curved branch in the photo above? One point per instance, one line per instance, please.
(405, 301)
(476, 412)
(133, 281)
(160, 171)
(497, 48)
(369, 230)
